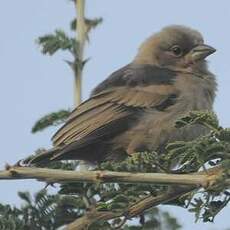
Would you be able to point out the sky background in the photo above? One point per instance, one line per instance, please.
(32, 85)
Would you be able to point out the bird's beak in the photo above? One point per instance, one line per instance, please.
(200, 52)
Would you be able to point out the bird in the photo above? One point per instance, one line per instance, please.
(136, 107)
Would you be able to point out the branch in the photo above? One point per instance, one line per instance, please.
(134, 210)
(203, 179)
(138, 208)
(192, 181)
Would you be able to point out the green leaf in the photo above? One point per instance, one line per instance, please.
(102, 206)
(206, 118)
(51, 43)
(51, 119)
(25, 196)
(90, 24)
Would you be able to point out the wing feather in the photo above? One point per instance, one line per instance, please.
(115, 105)
(95, 116)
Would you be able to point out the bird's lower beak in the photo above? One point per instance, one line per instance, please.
(200, 52)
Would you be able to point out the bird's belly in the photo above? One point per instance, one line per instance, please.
(157, 128)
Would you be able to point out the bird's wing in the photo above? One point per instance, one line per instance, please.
(110, 112)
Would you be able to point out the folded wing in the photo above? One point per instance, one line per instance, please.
(111, 111)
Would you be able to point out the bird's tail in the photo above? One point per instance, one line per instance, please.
(42, 158)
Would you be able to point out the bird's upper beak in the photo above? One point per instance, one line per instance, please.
(200, 52)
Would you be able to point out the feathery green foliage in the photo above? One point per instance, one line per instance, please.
(51, 43)
(51, 119)
(43, 211)
(204, 152)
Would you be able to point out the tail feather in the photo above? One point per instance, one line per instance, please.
(44, 158)
(90, 153)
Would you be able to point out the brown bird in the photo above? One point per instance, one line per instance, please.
(136, 107)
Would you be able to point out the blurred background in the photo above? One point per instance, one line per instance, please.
(32, 84)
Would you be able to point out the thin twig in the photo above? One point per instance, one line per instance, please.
(89, 218)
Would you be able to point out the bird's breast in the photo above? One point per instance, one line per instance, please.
(195, 93)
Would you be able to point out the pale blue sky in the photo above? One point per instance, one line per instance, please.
(32, 85)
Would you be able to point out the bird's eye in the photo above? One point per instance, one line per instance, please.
(177, 51)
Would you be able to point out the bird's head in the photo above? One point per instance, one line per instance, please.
(176, 48)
